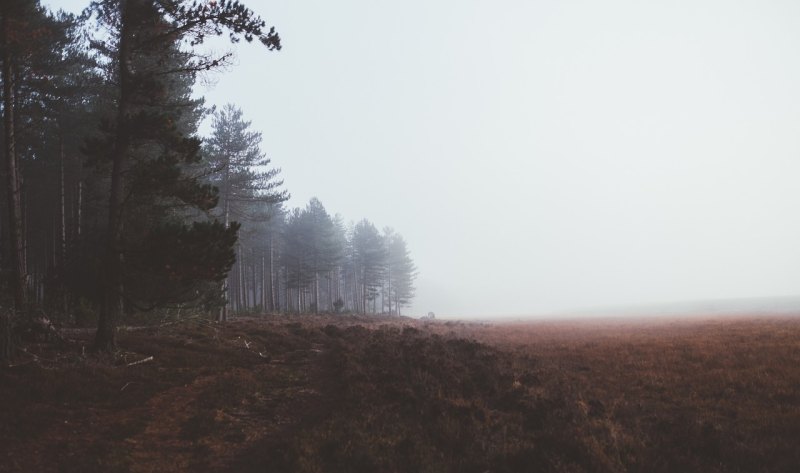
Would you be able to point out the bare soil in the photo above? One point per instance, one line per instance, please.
(364, 394)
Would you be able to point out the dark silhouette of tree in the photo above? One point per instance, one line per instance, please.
(18, 21)
(146, 146)
(46, 82)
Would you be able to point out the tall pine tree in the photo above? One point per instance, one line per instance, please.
(248, 186)
(147, 150)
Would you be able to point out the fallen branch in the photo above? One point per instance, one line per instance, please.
(145, 360)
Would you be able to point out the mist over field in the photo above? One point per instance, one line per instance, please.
(543, 157)
(510, 236)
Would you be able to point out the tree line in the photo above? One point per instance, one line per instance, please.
(114, 205)
(299, 260)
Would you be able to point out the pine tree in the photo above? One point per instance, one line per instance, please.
(236, 166)
(400, 274)
(148, 149)
(324, 252)
(369, 261)
(296, 257)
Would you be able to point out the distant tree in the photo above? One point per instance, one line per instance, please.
(240, 170)
(337, 274)
(269, 234)
(296, 257)
(237, 165)
(400, 274)
(325, 249)
(369, 262)
(312, 251)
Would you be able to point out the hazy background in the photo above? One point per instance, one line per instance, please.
(542, 156)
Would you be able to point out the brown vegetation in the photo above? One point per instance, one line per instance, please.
(313, 394)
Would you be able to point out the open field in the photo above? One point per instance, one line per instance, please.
(362, 394)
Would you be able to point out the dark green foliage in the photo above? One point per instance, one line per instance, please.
(214, 17)
(155, 255)
(178, 263)
(158, 192)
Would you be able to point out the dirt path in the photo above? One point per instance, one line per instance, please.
(207, 401)
(190, 430)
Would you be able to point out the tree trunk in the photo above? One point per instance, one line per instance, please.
(286, 300)
(111, 302)
(223, 311)
(316, 292)
(62, 247)
(242, 282)
(78, 219)
(17, 262)
(272, 302)
(263, 284)
(254, 282)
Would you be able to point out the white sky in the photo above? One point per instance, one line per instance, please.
(540, 156)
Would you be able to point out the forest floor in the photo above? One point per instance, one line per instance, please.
(377, 394)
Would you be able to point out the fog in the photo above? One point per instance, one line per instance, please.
(543, 156)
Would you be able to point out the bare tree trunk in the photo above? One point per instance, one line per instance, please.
(223, 311)
(78, 221)
(286, 298)
(364, 291)
(242, 282)
(272, 302)
(254, 282)
(263, 285)
(236, 302)
(388, 291)
(15, 225)
(63, 233)
(316, 292)
(6, 331)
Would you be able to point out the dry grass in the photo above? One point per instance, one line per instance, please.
(315, 394)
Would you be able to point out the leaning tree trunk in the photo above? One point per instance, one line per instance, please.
(111, 284)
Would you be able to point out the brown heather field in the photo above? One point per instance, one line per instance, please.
(372, 394)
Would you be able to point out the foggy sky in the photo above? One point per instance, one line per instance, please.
(541, 156)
